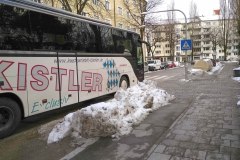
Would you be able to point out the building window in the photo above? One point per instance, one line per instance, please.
(158, 46)
(134, 29)
(197, 44)
(167, 51)
(107, 5)
(206, 36)
(208, 42)
(167, 45)
(128, 28)
(108, 21)
(134, 17)
(220, 51)
(229, 47)
(119, 10)
(96, 16)
(127, 14)
(120, 25)
(84, 13)
(96, 2)
(229, 54)
(158, 52)
(205, 48)
(62, 6)
(134, 3)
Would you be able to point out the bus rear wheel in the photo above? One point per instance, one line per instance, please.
(10, 117)
(124, 84)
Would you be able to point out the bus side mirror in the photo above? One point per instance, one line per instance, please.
(1, 83)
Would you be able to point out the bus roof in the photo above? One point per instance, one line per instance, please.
(27, 4)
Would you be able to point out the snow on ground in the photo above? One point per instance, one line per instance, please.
(199, 72)
(236, 78)
(115, 117)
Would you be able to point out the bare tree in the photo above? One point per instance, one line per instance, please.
(226, 26)
(154, 36)
(136, 9)
(214, 37)
(170, 30)
(194, 22)
(79, 5)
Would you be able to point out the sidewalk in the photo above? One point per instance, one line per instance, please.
(210, 128)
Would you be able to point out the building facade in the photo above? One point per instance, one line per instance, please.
(205, 33)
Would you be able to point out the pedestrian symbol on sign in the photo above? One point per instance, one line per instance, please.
(186, 46)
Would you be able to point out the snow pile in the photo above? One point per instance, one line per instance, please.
(236, 79)
(200, 72)
(197, 72)
(114, 117)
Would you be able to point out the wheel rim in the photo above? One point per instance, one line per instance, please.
(124, 85)
(6, 117)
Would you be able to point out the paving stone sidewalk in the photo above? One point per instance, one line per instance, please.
(210, 129)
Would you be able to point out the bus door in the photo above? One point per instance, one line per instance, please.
(42, 82)
(88, 76)
(68, 83)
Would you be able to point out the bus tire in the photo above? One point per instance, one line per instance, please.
(124, 84)
(10, 116)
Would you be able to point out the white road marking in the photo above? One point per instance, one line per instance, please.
(169, 77)
(161, 77)
(152, 77)
(80, 149)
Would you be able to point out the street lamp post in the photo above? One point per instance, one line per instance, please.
(186, 69)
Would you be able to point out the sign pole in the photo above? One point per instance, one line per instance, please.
(186, 69)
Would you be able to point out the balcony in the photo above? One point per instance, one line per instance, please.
(196, 33)
(205, 32)
(207, 45)
(206, 26)
(197, 46)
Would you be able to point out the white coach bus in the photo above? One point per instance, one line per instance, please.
(51, 58)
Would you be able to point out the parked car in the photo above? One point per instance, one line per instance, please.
(171, 64)
(154, 64)
(164, 65)
(213, 62)
(193, 62)
(146, 69)
(177, 63)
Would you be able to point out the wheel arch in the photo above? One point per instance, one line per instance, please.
(125, 75)
(15, 98)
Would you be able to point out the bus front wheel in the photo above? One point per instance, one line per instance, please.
(124, 84)
(10, 116)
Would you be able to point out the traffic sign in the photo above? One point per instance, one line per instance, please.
(186, 44)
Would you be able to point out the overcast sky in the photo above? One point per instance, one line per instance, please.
(205, 7)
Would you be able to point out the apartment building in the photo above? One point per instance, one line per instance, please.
(125, 14)
(165, 42)
(206, 36)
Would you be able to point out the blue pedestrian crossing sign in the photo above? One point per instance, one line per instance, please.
(186, 44)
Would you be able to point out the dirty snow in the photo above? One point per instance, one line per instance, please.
(115, 117)
(199, 72)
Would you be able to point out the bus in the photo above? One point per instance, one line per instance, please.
(51, 58)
